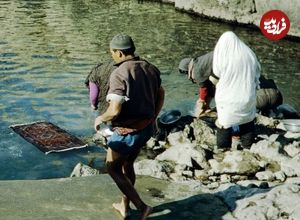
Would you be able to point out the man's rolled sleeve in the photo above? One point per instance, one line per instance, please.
(114, 97)
(117, 88)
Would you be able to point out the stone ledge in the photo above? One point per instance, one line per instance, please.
(243, 12)
(91, 198)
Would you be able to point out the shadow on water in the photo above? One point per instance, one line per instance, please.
(204, 206)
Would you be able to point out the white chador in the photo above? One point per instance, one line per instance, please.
(238, 70)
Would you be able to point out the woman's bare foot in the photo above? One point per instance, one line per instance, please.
(146, 212)
(120, 207)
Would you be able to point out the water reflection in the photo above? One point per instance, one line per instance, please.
(48, 47)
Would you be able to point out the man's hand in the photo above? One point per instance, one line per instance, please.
(94, 107)
(201, 107)
(98, 122)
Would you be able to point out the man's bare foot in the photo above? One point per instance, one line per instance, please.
(121, 209)
(146, 212)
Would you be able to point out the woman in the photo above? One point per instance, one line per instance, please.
(238, 70)
(97, 82)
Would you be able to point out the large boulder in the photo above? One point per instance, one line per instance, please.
(203, 133)
(185, 154)
(236, 162)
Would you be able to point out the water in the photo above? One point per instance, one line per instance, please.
(48, 47)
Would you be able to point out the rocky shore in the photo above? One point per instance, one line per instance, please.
(262, 182)
(241, 11)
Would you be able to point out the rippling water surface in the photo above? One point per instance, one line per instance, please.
(48, 47)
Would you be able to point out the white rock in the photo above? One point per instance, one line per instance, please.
(263, 163)
(83, 170)
(151, 143)
(162, 143)
(177, 138)
(187, 173)
(179, 155)
(268, 150)
(224, 178)
(213, 185)
(266, 121)
(236, 162)
(292, 149)
(292, 135)
(200, 174)
(291, 167)
(179, 168)
(273, 137)
(293, 180)
(150, 168)
(183, 154)
(279, 202)
(177, 178)
(281, 126)
(238, 178)
(279, 175)
(265, 176)
(213, 178)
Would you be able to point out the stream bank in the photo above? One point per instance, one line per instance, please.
(243, 12)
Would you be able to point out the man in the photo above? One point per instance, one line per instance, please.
(199, 70)
(135, 98)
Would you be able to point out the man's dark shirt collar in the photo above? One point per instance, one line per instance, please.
(134, 58)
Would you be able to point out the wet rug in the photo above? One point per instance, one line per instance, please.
(48, 137)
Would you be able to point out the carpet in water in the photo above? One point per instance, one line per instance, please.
(48, 137)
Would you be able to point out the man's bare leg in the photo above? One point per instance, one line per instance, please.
(147, 211)
(128, 170)
(115, 163)
(121, 208)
